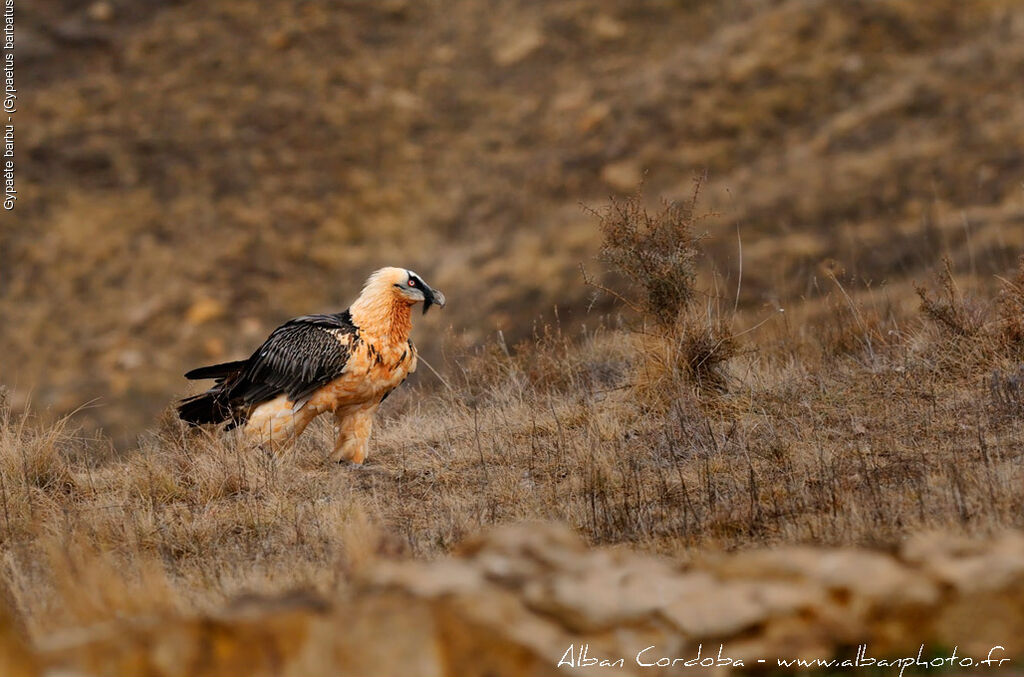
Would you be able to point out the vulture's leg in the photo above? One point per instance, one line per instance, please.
(277, 422)
(354, 427)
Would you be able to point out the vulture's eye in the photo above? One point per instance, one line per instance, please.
(412, 283)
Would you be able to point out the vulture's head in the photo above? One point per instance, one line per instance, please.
(406, 286)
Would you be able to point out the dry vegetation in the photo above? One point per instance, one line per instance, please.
(669, 433)
(762, 374)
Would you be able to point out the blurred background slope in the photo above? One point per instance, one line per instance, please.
(194, 173)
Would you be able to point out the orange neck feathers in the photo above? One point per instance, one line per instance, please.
(385, 318)
(379, 313)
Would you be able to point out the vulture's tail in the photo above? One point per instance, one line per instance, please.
(213, 406)
(208, 407)
(217, 371)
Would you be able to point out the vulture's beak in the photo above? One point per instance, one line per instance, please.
(432, 296)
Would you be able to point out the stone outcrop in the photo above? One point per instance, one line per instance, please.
(513, 601)
(16, 657)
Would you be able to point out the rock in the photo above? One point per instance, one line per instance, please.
(406, 101)
(517, 45)
(16, 657)
(280, 39)
(571, 99)
(203, 311)
(624, 176)
(129, 359)
(33, 46)
(101, 11)
(593, 116)
(514, 600)
(214, 348)
(76, 32)
(607, 28)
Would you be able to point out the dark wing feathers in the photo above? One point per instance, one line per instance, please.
(341, 321)
(298, 358)
(218, 371)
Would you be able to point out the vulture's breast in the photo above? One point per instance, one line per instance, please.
(371, 372)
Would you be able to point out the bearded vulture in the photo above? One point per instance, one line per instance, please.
(345, 363)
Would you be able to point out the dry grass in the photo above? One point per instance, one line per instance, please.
(858, 434)
(90, 536)
(948, 308)
(1011, 312)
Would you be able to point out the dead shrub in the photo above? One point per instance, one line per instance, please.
(704, 349)
(657, 254)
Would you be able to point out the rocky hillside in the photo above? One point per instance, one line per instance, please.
(194, 173)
